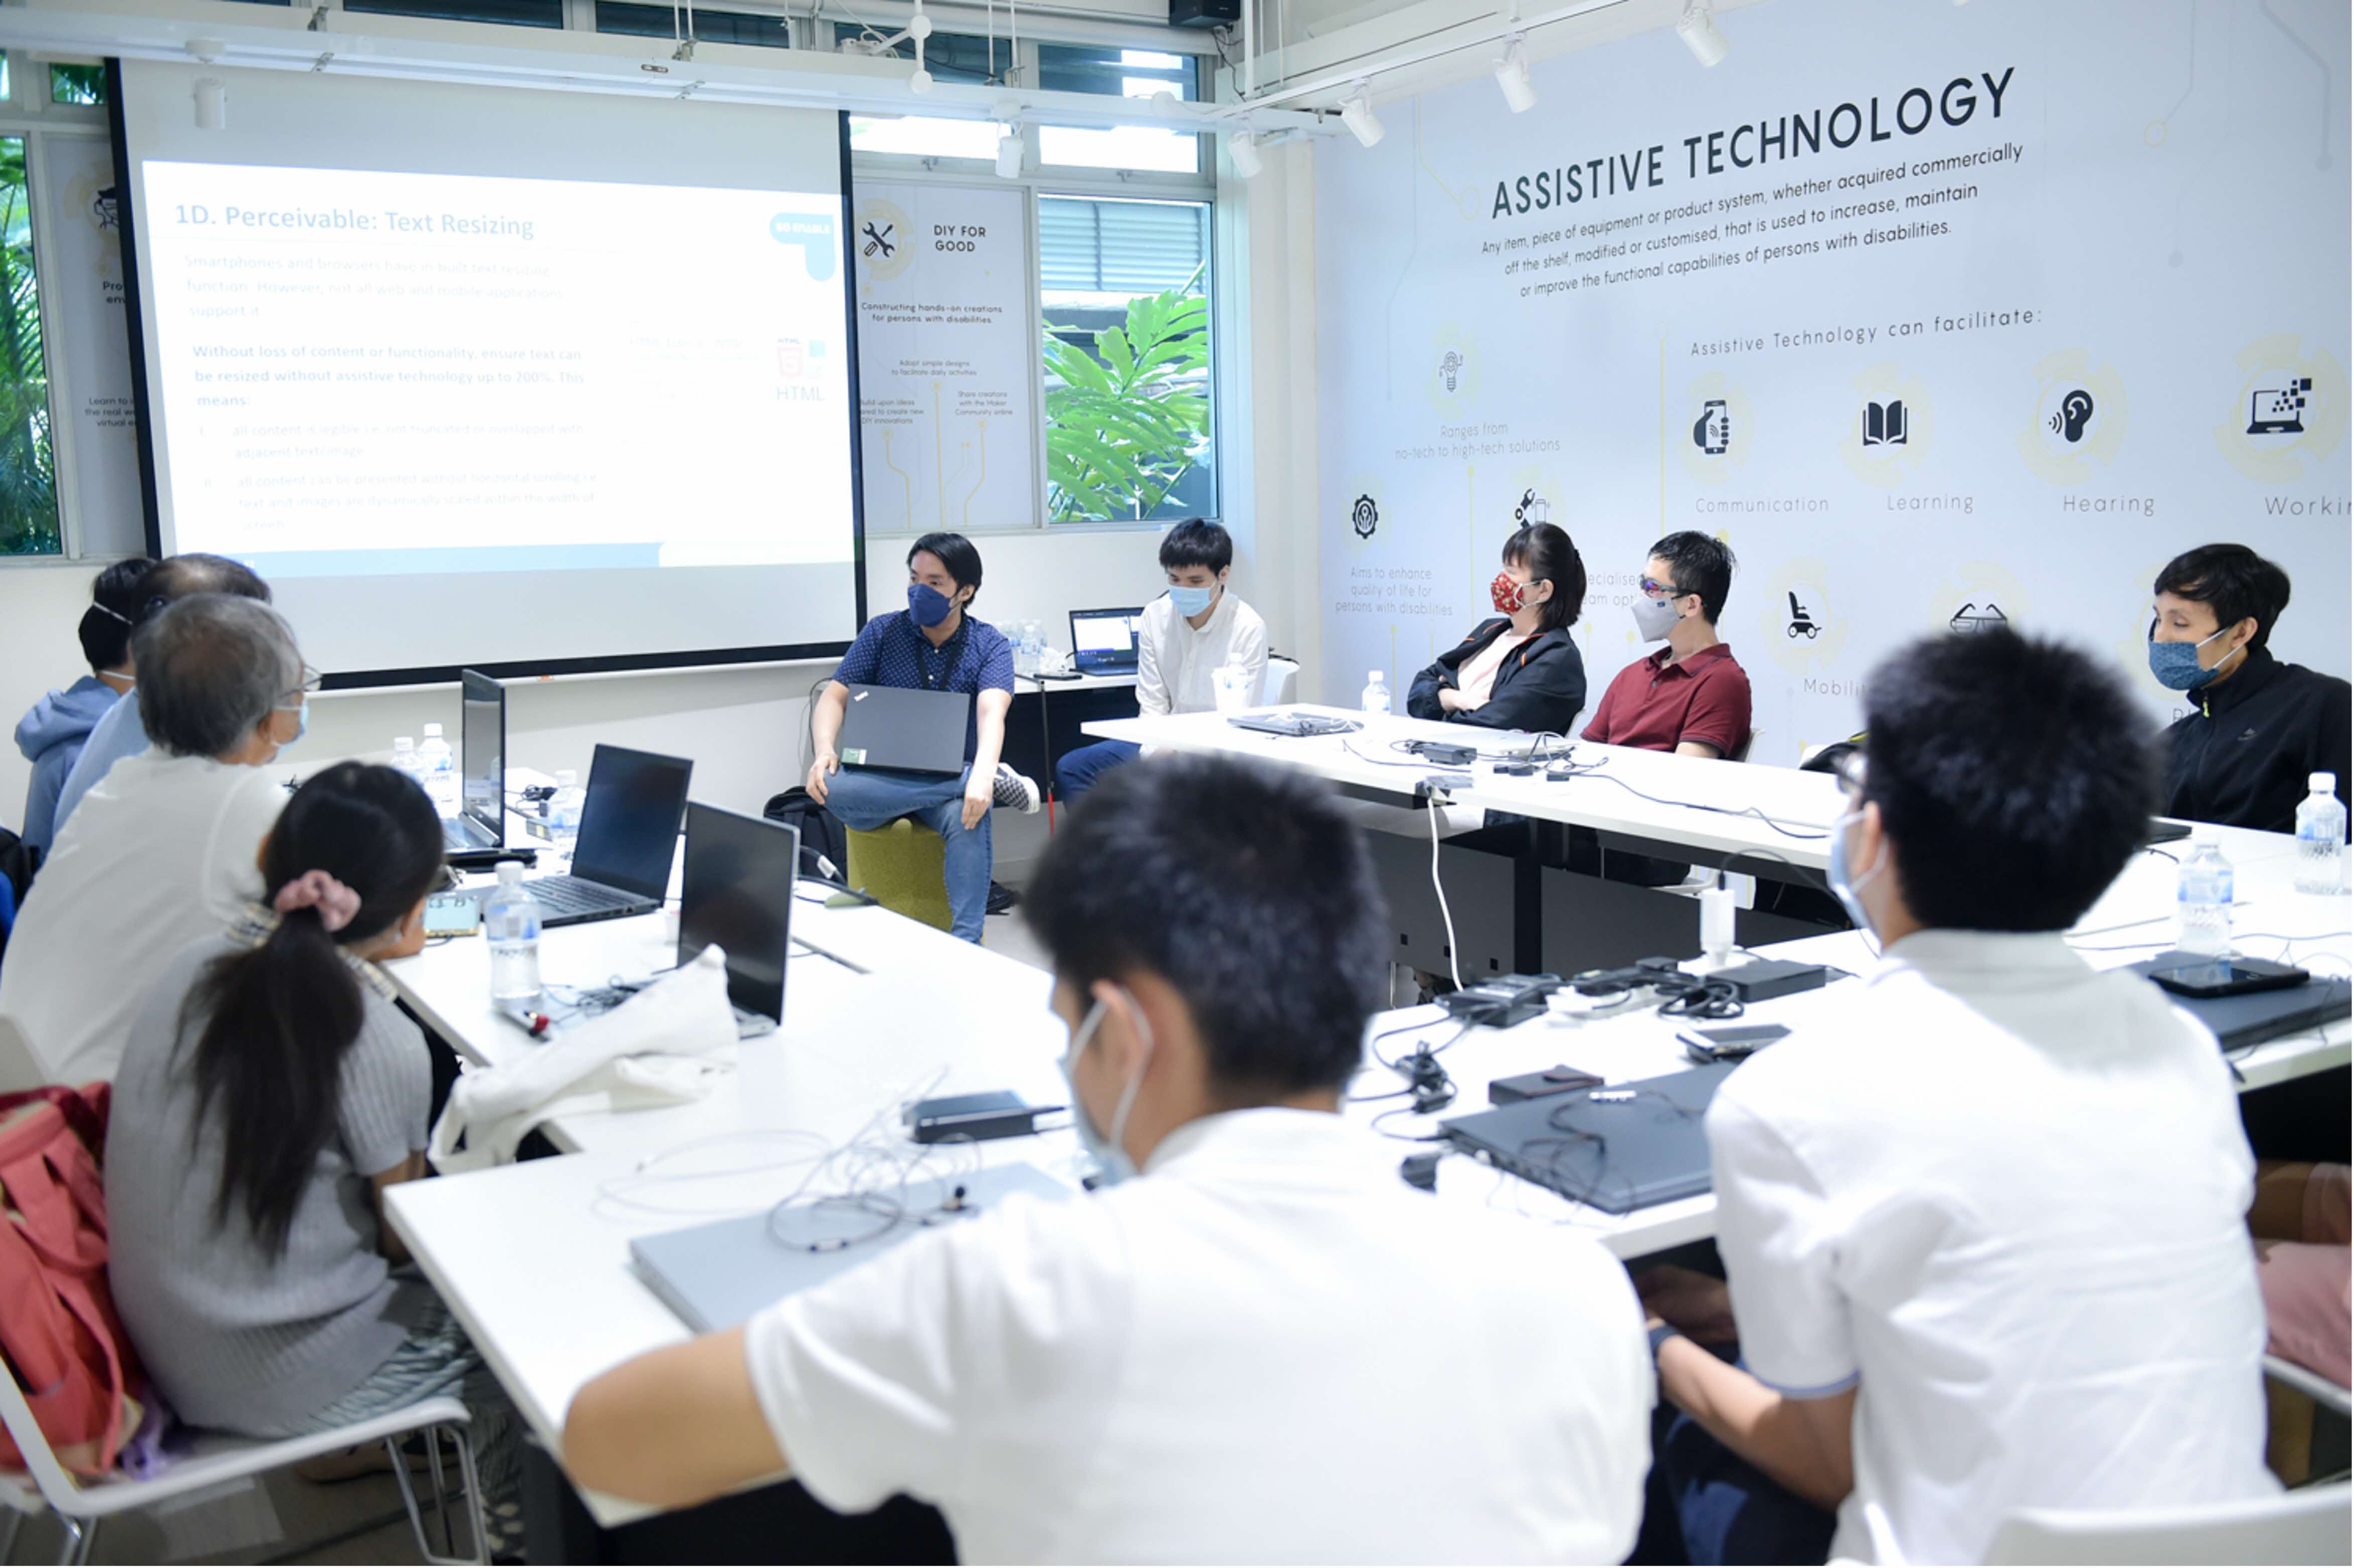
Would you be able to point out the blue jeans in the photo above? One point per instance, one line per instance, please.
(870, 798)
(1076, 774)
(1728, 1511)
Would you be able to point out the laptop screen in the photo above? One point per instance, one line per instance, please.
(739, 893)
(482, 749)
(629, 823)
(1106, 636)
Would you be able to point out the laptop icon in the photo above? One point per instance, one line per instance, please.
(629, 831)
(1102, 642)
(907, 728)
(738, 891)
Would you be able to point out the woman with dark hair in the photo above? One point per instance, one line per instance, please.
(52, 731)
(269, 1094)
(1519, 669)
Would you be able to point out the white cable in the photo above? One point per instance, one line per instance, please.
(1454, 966)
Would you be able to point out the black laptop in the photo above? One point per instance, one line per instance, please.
(1616, 1147)
(905, 727)
(629, 831)
(1102, 642)
(738, 891)
(475, 836)
(2252, 1016)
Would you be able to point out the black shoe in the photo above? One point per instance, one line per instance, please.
(1002, 900)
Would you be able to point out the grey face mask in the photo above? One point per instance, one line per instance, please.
(1108, 1149)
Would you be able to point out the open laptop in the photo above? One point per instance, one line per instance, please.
(1102, 642)
(473, 837)
(738, 891)
(905, 727)
(716, 1276)
(1616, 1147)
(629, 831)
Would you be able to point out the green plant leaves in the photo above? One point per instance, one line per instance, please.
(1127, 422)
(28, 494)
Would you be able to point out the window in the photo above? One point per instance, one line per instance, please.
(29, 492)
(76, 84)
(1127, 73)
(514, 12)
(949, 56)
(710, 26)
(1126, 287)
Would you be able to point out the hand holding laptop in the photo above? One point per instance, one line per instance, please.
(826, 765)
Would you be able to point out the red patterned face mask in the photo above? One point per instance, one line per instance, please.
(1509, 596)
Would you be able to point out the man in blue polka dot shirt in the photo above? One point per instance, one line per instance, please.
(933, 645)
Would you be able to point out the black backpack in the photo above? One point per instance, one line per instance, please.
(826, 846)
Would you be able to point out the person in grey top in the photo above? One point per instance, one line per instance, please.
(270, 1092)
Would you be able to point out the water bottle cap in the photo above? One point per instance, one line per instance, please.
(404, 742)
(2206, 833)
(432, 732)
(1372, 675)
(510, 873)
(2326, 783)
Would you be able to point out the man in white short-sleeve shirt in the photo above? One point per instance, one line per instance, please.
(1982, 1220)
(1265, 1347)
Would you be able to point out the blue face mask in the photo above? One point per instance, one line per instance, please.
(927, 604)
(1107, 1150)
(302, 712)
(1846, 888)
(1190, 603)
(2176, 664)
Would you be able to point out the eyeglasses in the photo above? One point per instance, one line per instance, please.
(1849, 769)
(312, 679)
(1663, 590)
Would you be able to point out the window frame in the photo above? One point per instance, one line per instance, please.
(30, 113)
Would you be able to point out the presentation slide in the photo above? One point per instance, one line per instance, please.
(1945, 318)
(387, 373)
(530, 402)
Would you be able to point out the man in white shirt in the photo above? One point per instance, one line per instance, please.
(1264, 1348)
(1189, 634)
(162, 850)
(1983, 1224)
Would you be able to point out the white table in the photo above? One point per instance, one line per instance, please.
(1803, 804)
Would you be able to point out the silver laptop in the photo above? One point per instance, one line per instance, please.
(479, 829)
(716, 1276)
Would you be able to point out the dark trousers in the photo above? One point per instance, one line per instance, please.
(1706, 1503)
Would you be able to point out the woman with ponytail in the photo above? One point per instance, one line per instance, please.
(52, 731)
(269, 1094)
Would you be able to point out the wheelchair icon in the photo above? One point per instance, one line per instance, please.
(1800, 622)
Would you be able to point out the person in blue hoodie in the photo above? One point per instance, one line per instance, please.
(52, 731)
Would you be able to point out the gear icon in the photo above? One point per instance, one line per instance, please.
(1364, 516)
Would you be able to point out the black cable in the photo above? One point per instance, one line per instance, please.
(1595, 769)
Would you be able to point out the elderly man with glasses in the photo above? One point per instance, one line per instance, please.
(162, 849)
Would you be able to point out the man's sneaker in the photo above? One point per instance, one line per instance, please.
(1013, 790)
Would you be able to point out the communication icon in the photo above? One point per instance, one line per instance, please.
(1364, 516)
(1713, 431)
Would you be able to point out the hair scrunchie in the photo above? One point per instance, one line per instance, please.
(335, 903)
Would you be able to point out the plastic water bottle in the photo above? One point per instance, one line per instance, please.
(440, 770)
(564, 808)
(2321, 837)
(1025, 649)
(2203, 896)
(1375, 698)
(511, 925)
(404, 759)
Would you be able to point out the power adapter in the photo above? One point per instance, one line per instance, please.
(1446, 755)
(1762, 979)
(1502, 1002)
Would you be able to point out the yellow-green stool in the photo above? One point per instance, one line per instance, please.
(902, 867)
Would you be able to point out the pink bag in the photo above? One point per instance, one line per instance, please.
(57, 1325)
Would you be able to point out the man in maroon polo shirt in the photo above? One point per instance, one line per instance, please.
(1690, 697)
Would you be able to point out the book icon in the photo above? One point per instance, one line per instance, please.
(1884, 424)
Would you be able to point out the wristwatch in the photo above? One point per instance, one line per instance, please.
(1660, 1336)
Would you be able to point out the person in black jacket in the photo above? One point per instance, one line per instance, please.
(2259, 728)
(1519, 670)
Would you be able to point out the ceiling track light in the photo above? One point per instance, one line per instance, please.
(1512, 76)
(1697, 27)
(1357, 115)
(1243, 148)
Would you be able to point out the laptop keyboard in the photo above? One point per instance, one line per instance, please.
(570, 896)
